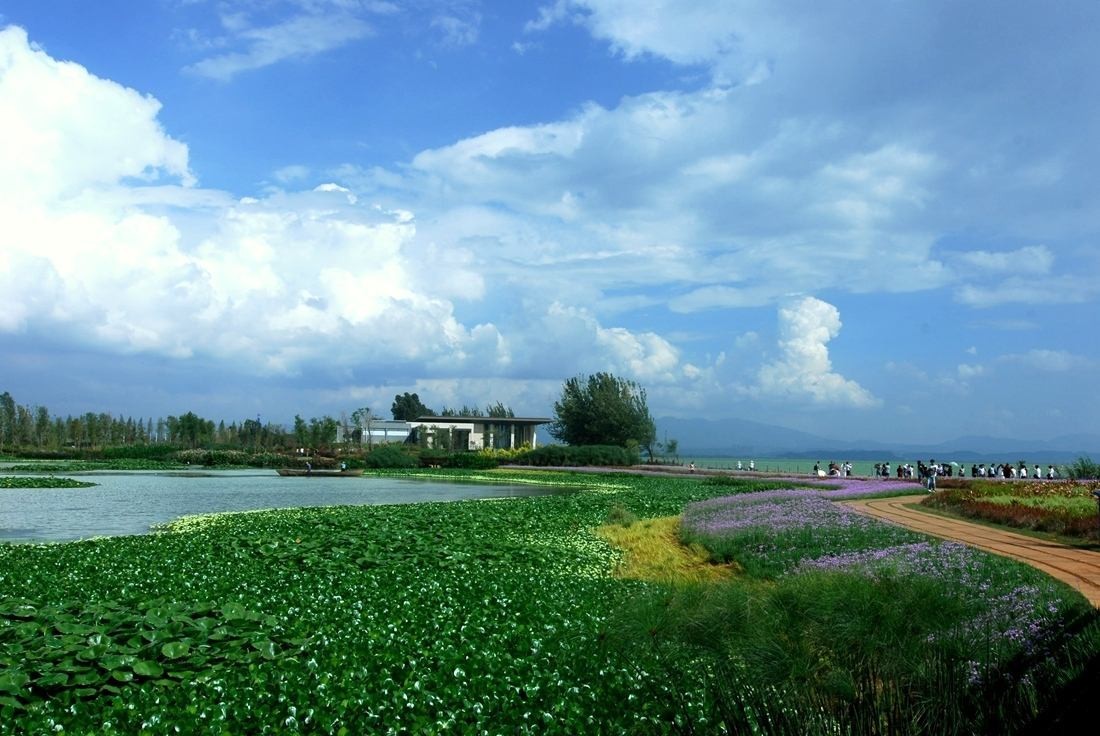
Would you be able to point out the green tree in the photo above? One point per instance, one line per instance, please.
(499, 410)
(603, 410)
(301, 431)
(7, 420)
(192, 429)
(322, 432)
(465, 411)
(408, 407)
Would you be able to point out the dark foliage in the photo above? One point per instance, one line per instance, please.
(570, 455)
(603, 410)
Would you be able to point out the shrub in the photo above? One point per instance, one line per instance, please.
(213, 457)
(390, 456)
(578, 455)
(621, 515)
(470, 460)
(1083, 468)
(270, 460)
(158, 451)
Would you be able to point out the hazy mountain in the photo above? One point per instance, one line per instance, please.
(745, 438)
(742, 437)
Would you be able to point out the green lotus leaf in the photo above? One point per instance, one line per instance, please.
(57, 678)
(182, 674)
(87, 678)
(24, 610)
(123, 675)
(145, 668)
(71, 665)
(13, 680)
(265, 647)
(156, 619)
(66, 627)
(115, 661)
(175, 649)
(234, 611)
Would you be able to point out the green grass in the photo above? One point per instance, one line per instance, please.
(1076, 506)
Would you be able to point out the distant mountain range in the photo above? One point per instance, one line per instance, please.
(744, 438)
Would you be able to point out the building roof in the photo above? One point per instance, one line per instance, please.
(484, 420)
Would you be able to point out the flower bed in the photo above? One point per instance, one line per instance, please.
(868, 625)
(1067, 508)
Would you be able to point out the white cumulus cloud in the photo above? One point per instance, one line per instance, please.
(108, 243)
(804, 371)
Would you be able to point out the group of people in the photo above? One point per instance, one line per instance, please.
(1008, 470)
(836, 470)
(933, 469)
(921, 471)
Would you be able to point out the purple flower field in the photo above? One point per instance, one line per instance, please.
(785, 533)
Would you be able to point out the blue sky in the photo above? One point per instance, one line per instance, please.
(864, 220)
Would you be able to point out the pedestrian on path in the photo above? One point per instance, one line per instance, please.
(932, 476)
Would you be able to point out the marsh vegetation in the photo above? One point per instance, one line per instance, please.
(508, 616)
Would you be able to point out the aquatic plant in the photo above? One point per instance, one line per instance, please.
(40, 481)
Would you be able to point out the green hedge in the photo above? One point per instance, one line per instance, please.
(569, 455)
(433, 458)
(139, 452)
(390, 456)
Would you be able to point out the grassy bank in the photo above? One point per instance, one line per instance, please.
(485, 616)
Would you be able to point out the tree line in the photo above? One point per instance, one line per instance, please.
(600, 409)
(34, 427)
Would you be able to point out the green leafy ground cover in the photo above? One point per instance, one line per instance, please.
(49, 481)
(470, 617)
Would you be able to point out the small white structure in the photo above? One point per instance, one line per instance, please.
(476, 433)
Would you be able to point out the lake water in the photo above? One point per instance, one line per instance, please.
(132, 502)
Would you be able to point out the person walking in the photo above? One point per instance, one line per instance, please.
(932, 476)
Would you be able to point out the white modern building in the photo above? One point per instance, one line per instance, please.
(476, 433)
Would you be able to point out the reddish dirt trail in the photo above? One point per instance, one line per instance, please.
(1077, 567)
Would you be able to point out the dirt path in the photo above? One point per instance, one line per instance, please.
(1077, 567)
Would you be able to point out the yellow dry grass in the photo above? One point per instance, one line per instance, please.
(652, 551)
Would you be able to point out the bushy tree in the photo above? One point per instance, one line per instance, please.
(408, 407)
(603, 410)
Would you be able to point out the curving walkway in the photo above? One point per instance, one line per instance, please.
(1077, 567)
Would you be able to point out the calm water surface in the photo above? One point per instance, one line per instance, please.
(130, 502)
